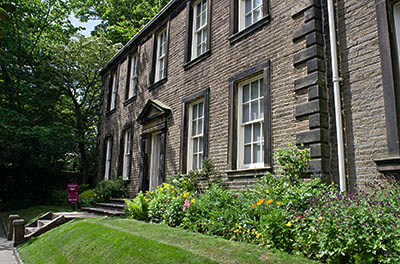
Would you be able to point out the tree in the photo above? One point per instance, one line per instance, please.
(79, 63)
(121, 19)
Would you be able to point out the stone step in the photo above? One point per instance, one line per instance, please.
(102, 211)
(115, 206)
(118, 200)
(41, 223)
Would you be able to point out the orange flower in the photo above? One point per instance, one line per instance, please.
(278, 203)
(94, 194)
(268, 201)
(254, 206)
(260, 201)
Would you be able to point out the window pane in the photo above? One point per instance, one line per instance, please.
(254, 90)
(261, 88)
(247, 154)
(247, 6)
(200, 126)
(201, 144)
(247, 134)
(246, 113)
(256, 153)
(195, 144)
(195, 161)
(203, 18)
(204, 7)
(194, 128)
(198, 21)
(256, 132)
(204, 34)
(247, 21)
(261, 108)
(200, 161)
(257, 3)
(201, 109)
(194, 112)
(254, 110)
(246, 91)
(256, 15)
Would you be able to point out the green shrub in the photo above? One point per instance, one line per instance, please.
(87, 198)
(137, 208)
(110, 189)
(293, 162)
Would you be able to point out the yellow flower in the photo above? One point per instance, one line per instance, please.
(258, 235)
(267, 192)
(237, 230)
(320, 218)
(185, 195)
(193, 200)
(289, 224)
(260, 201)
(253, 230)
(173, 191)
(278, 203)
(268, 201)
(254, 206)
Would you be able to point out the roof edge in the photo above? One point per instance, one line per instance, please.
(138, 35)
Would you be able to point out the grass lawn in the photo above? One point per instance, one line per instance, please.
(116, 240)
(32, 213)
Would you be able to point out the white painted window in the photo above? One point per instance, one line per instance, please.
(161, 59)
(133, 79)
(396, 16)
(251, 123)
(127, 154)
(195, 135)
(113, 91)
(107, 167)
(199, 43)
(250, 11)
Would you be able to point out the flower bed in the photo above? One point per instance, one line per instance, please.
(285, 213)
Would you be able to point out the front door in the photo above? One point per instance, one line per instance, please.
(155, 153)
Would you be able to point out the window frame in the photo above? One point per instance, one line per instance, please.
(191, 58)
(390, 73)
(236, 31)
(131, 93)
(202, 95)
(127, 156)
(113, 90)
(199, 136)
(241, 125)
(262, 69)
(196, 31)
(108, 145)
(161, 59)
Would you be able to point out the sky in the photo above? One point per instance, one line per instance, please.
(89, 25)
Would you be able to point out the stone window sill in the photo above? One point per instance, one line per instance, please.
(249, 30)
(197, 60)
(158, 84)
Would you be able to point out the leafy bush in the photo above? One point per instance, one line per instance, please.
(110, 189)
(137, 208)
(87, 198)
(287, 213)
(293, 162)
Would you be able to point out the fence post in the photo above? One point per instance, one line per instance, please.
(19, 231)
(11, 219)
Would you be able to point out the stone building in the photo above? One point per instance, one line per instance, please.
(235, 80)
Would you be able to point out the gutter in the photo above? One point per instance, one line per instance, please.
(138, 35)
(336, 91)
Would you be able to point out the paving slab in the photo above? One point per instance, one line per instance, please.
(6, 249)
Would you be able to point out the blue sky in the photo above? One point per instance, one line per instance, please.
(89, 25)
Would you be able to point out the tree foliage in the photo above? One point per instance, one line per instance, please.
(121, 19)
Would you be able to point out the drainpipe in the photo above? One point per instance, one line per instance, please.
(336, 92)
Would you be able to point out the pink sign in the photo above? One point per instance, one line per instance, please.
(72, 193)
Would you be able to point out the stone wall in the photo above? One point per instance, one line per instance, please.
(297, 113)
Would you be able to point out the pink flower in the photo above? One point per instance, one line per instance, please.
(187, 204)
